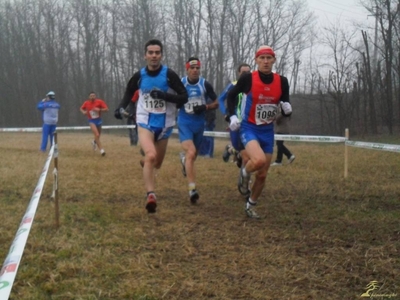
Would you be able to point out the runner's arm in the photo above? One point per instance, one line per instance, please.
(130, 90)
(211, 95)
(242, 86)
(176, 84)
(222, 98)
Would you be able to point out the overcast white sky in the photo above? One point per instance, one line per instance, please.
(346, 10)
(350, 13)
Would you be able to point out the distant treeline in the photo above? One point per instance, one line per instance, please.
(76, 46)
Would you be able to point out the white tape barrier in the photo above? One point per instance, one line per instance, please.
(278, 137)
(374, 146)
(11, 264)
(316, 138)
(281, 137)
(102, 127)
(39, 129)
(31, 129)
(284, 137)
(298, 138)
(209, 133)
(310, 138)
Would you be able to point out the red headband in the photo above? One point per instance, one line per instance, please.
(192, 63)
(265, 51)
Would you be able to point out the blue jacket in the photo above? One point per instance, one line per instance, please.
(49, 111)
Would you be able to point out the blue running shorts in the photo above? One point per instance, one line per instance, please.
(193, 132)
(159, 133)
(96, 122)
(264, 135)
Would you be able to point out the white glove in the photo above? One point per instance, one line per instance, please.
(287, 108)
(235, 124)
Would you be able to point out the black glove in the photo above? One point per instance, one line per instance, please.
(157, 94)
(117, 113)
(198, 109)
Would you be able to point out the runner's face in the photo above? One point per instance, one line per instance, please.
(92, 96)
(244, 69)
(265, 63)
(193, 72)
(153, 56)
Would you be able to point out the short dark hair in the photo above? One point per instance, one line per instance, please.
(242, 65)
(92, 92)
(153, 42)
(192, 58)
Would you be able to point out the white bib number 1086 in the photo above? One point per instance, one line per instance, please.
(266, 113)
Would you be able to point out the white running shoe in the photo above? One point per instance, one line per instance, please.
(291, 159)
(102, 152)
(251, 213)
(94, 145)
(274, 164)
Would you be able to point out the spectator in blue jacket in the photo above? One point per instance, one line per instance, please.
(49, 108)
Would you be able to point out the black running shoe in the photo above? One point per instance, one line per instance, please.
(151, 203)
(194, 196)
(226, 154)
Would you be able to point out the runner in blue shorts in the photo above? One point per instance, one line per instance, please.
(161, 93)
(263, 91)
(235, 148)
(191, 119)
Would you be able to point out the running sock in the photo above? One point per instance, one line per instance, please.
(250, 203)
(192, 186)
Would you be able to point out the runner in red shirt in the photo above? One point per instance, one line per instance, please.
(263, 92)
(92, 108)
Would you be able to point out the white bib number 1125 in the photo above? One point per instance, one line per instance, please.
(155, 106)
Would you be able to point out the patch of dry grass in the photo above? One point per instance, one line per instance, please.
(321, 237)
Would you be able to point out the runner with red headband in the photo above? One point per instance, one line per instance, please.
(263, 91)
(191, 120)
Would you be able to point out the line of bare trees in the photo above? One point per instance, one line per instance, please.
(360, 91)
(76, 46)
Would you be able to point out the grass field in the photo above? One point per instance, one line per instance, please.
(320, 236)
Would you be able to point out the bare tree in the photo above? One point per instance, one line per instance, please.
(186, 19)
(75, 46)
(386, 20)
(387, 13)
(369, 85)
(343, 57)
